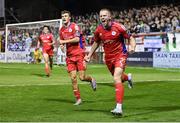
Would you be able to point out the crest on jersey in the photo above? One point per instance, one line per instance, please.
(113, 33)
(70, 30)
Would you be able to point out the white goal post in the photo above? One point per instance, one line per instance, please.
(17, 44)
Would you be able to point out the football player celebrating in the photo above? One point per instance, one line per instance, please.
(70, 35)
(47, 40)
(111, 35)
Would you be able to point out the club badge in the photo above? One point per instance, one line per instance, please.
(113, 33)
(70, 30)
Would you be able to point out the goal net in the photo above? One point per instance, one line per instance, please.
(21, 40)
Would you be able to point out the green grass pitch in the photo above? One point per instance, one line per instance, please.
(27, 95)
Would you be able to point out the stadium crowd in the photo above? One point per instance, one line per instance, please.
(164, 18)
(144, 20)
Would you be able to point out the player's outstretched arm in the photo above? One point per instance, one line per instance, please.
(132, 45)
(93, 49)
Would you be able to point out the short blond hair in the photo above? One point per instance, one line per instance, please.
(105, 9)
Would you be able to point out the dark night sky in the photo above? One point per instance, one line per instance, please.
(49, 9)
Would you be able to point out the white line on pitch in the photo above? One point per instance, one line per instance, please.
(14, 85)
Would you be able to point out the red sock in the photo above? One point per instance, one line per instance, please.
(77, 94)
(119, 92)
(124, 77)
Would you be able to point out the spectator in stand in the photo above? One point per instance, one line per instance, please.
(147, 19)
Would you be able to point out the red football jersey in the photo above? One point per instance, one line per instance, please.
(112, 39)
(69, 32)
(45, 39)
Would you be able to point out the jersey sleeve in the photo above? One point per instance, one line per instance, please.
(52, 36)
(96, 37)
(77, 31)
(123, 31)
(60, 35)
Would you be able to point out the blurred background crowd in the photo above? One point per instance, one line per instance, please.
(144, 20)
(156, 18)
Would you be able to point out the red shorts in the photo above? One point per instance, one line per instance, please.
(48, 51)
(116, 62)
(75, 63)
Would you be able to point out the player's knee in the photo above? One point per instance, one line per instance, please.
(73, 77)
